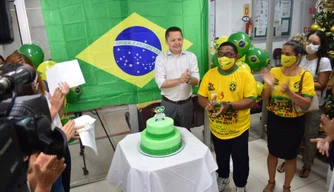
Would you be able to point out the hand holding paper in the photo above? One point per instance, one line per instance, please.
(69, 129)
(87, 133)
(68, 71)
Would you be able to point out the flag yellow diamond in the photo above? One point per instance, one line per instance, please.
(129, 49)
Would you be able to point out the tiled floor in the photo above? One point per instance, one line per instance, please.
(258, 177)
(114, 120)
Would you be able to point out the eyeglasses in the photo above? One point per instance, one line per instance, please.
(229, 55)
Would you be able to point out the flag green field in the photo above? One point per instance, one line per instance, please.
(116, 43)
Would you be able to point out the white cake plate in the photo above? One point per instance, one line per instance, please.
(160, 156)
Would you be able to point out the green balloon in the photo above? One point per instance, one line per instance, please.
(267, 55)
(215, 60)
(33, 52)
(242, 41)
(74, 94)
(257, 59)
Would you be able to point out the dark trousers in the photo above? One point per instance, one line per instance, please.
(181, 113)
(62, 184)
(66, 175)
(238, 148)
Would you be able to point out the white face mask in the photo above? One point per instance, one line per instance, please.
(311, 49)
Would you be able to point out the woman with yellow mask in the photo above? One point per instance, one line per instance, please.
(316, 61)
(285, 125)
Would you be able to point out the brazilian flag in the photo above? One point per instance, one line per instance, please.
(116, 43)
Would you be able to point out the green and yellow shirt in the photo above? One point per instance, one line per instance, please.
(234, 86)
(280, 103)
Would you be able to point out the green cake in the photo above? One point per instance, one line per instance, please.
(160, 137)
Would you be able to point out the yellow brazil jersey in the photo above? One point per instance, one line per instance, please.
(234, 86)
(280, 103)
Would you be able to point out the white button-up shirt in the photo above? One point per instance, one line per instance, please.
(169, 66)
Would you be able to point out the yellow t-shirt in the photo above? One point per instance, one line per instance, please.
(234, 86)
(280, 103)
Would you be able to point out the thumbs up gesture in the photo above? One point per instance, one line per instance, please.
(185, 76)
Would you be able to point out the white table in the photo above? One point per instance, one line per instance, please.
(192, 169)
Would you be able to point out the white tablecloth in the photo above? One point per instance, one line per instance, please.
(192, 169)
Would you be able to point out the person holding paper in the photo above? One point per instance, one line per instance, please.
(176, 71)
(55, 105)
(56, 101)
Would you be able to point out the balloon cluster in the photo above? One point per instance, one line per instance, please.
(36, 56)
(251, 58)
(255, 58)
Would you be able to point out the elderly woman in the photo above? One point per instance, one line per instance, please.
(285, 124)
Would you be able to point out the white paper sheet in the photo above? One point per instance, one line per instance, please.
(87, 134)
(68, 71)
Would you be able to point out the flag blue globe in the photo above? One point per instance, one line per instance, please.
(135, 50)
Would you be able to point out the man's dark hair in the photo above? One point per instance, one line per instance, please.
(172, 29)
(231, 45)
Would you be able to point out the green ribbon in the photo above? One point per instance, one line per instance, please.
(162, 151)
(160, 136)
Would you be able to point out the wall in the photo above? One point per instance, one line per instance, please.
(7, 49)
(37, 26)
(228, 20)
(230, 12)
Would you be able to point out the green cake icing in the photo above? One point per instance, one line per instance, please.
(160, 137)
(160, 127)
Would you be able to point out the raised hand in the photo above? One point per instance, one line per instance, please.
(322, 145)
(64, 88)
(57, 99)
(268, 78)
(211, 103)
(45, 171)
(285, 87)
(328, 126)
(70, 130)
(222, 109)
(185, 76)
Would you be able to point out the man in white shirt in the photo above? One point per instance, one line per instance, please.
(176, 71)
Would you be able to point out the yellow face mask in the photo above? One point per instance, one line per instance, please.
(226, 63)
(287, 61)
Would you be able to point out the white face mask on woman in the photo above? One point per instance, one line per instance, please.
(311, 49)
